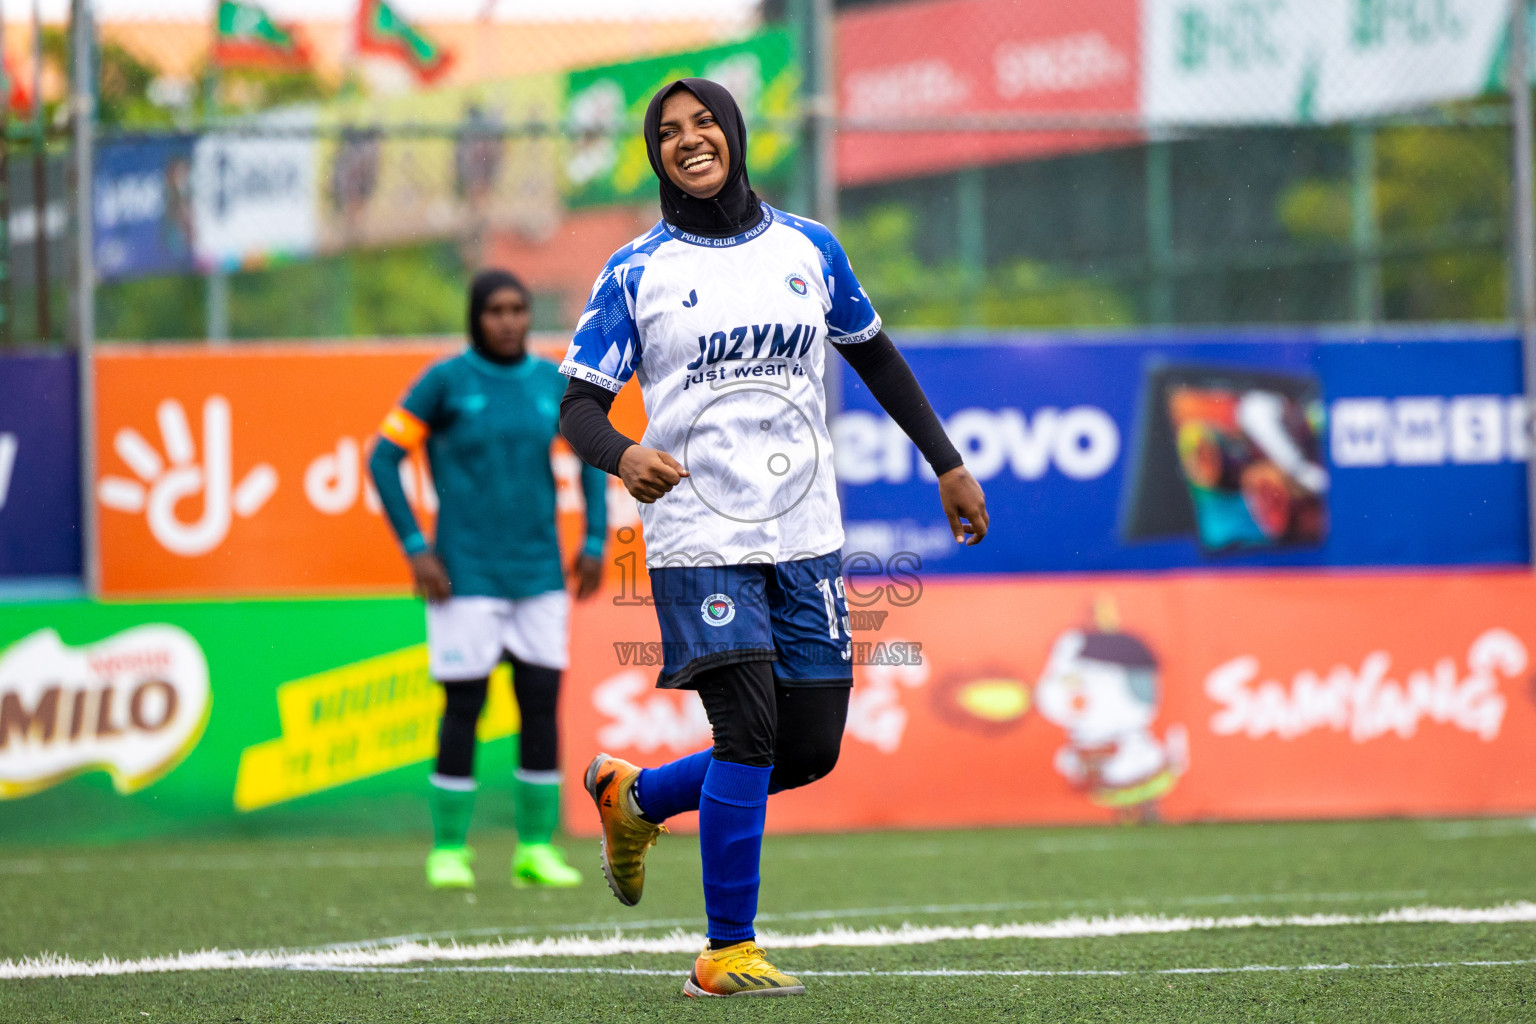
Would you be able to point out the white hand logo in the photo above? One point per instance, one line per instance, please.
(168, 486)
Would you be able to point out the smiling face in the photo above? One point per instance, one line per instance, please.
(694, 152)
(504, 323)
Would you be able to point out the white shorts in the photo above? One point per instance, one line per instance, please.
(467, 635)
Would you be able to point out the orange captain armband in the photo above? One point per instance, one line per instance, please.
(404, 429)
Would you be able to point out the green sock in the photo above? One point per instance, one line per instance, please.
(536, 810)
(452, 806)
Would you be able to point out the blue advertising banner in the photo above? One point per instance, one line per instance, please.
(39, 466)
(1233, 449)
(143, 218)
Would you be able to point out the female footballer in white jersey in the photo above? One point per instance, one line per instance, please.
(721, 311)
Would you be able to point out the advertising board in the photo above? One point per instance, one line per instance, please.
(39, 466)
(242, 471)
(129, 720)
(978, 57)
(1029, 700)
(1226, 450)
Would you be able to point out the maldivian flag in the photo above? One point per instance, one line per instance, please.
(12, 89)
(382, 32)
(248, 37)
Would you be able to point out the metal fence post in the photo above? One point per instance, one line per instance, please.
(823, 106)
(1524, 230)
(1159, 185)
(971, 233)
(40, 177)
(821, 111)
(1364, 232)
(7, 298)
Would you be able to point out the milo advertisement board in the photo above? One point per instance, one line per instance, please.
(605, 108)
(125, 720)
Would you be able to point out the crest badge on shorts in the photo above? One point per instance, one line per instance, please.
(718, 609)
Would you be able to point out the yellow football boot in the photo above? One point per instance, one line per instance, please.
(626, 835)
(739, 970)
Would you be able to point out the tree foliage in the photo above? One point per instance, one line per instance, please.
(1022, 293)
(1442, 208)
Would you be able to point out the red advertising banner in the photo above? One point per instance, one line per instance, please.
(1035, 701)
(934, 60)
(242, 470)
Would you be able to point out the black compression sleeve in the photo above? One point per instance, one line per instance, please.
(881, 367)
(584, 422)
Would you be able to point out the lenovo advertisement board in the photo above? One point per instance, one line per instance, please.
(1219, 450)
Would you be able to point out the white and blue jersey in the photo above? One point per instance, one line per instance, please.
(726, 338)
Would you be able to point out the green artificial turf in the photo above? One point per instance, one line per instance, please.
(147, 900)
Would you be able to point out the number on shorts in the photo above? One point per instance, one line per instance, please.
(826, 588)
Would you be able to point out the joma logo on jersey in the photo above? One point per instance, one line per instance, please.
(770, 341)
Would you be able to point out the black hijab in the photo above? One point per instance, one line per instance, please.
(485, 284)
(735, 208)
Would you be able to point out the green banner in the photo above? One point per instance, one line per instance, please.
(1315, 61)
(605, 108)
(129, 720)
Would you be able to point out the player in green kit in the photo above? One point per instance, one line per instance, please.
(492, 576)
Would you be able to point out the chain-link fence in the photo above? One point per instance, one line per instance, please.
(1178, 161)
(993, 164)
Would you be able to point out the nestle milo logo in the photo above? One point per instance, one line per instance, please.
(1235, 35)
(132, 705)
(1376, 23)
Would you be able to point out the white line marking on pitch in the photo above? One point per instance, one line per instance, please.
(51, 965)
(937, 972)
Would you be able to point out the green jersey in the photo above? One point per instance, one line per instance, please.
(488, 430)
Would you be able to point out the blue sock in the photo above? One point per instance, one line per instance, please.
(731, 811)
(673, 788)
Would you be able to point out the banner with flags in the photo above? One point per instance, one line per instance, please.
(382, 32)
(246, 36)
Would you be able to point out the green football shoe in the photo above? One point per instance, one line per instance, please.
(448, 868)
(542, 864)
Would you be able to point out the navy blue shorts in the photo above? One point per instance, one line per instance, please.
(794, 614)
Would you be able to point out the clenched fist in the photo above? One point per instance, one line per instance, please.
(648, 473)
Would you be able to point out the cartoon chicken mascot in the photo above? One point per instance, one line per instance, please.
(1101, 686)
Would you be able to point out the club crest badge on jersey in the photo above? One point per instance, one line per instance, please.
(718, 609)
(797, 284)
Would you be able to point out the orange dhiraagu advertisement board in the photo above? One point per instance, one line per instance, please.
(1154, 698)
(242, 470)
